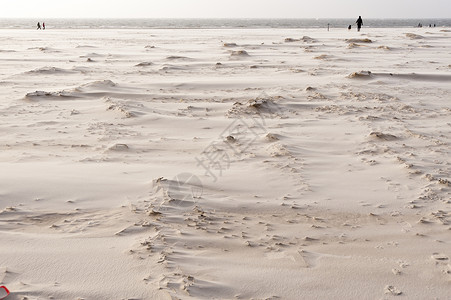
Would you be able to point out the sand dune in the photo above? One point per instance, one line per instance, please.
(144, 64)
(239, 53)
(230, 45)
(366, 40)
(414, 36)
(49, 70)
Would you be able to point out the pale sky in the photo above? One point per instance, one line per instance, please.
(225, 8)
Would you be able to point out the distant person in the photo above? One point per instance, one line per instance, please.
(43, 26)
(359, 23)
(39, 26)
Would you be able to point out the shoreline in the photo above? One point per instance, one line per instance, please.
(193, 23)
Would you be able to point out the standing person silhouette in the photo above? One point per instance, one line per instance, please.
(43, 26)
(39, 26)
(359, 23)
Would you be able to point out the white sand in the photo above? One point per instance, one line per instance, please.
(333, 180)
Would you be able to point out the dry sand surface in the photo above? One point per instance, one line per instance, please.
(225, 164)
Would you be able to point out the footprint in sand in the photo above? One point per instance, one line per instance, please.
(389, 289)
(440, 257)
(442, 261)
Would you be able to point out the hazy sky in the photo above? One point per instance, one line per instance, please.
(226, 8)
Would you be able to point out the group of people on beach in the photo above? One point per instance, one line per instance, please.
(39, 26)
(359, 23)
(421, 25)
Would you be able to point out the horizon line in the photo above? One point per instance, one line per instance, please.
(226, 18)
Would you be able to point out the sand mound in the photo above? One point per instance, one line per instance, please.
(121, 108)
(48, 70)
(361, 74)
(307, 39)
(84, 46)
(290, 40)
(175, 57)
(359, 40)
(168, 67)
(93, 54)
(384, 48)
(99, 84)
(79, 92)
(271, 137)
(254, 107)
(414, 36)
(44, 49)
(239, 53)
(277, 149)
(144, 64)
(42, 94)
(262, 105)
(119, 147)
(383, 136)
(230, 45)
(322, 57)
(353, 45)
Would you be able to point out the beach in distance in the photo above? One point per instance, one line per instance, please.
(218, 23)
(209, 162)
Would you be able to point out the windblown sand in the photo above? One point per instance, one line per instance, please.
(225, 164)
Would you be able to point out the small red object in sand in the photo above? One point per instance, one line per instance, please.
(3, 292)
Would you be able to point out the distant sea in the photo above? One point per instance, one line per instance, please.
(214, 23)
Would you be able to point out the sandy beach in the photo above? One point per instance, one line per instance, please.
(225, 163)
